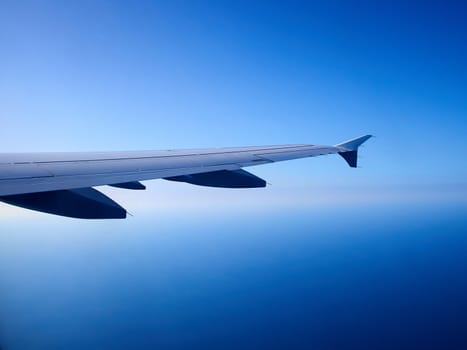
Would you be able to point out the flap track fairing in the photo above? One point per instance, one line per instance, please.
(82, 203)
(223, 178)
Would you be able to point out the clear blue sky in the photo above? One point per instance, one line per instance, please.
(115, 75)
(375, 255)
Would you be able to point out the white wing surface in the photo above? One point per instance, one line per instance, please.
(61, 183)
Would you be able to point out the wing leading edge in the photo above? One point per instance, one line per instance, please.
(61, 183)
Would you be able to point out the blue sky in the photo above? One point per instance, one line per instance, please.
(117, 75)
(324, 250)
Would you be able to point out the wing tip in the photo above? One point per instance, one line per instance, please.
(349, 149)
(353, 144)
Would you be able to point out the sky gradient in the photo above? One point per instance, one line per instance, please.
(110, 75)
(376, 254)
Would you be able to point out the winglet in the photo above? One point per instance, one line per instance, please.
(349, 149)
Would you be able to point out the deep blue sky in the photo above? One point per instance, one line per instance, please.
(328, 256)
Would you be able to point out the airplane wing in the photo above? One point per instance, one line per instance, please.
(62, 183)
